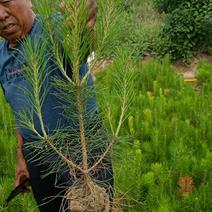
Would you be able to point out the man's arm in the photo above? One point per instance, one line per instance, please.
(21, 168)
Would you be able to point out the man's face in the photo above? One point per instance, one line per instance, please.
(16, 19)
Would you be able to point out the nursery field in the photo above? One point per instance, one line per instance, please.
(162, 159)
(164, 164)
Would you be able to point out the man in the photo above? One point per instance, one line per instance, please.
(17, 20)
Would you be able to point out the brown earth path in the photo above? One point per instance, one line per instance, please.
(188, 71)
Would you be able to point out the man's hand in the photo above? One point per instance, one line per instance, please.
(21, 173)
(92, 11)
(21, 168)
(89, 29)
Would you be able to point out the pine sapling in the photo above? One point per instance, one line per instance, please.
(84, 146)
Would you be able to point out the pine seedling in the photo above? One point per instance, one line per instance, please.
(83, 147)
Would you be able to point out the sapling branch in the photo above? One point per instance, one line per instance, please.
(124, 106)
(56, 53)
(45, 136)
(70, 163)
(109, 115)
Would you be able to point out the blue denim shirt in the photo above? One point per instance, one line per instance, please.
(13, 81)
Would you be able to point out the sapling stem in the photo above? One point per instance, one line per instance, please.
(82, 132)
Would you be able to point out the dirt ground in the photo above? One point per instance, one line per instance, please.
(188, 71)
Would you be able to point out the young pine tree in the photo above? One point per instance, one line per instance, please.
(81, 147)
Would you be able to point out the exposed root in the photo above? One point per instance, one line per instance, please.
(88, 197)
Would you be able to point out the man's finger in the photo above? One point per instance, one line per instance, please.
(92, 11)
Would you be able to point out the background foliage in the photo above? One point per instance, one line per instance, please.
(187, 27)
(166, 161)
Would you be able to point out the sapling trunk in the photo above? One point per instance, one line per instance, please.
(82, 133)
